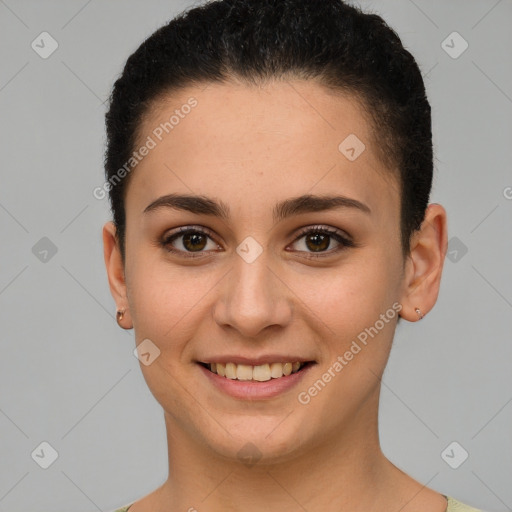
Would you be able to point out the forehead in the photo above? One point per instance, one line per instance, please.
(293, 135)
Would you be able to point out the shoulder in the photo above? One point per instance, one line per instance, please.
(124, 508)
(457, 506)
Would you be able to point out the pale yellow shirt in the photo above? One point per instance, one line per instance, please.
(453, 506)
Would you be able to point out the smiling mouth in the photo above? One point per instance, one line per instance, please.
(260, 373)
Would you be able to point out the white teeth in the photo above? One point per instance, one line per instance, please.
(243, 372)
(259, 373)
(276, 370)
(230, 370)
(221, 369)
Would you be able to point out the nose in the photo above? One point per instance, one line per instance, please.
(253, 298)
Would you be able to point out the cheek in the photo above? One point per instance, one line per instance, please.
(347, 305)
(167, 298)
(354, 293)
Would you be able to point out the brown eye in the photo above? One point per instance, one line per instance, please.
(319, 239)
(188, 240)
(194, 241)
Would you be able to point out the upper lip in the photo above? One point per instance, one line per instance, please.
(256, 361)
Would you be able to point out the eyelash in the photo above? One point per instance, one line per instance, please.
(342, 240)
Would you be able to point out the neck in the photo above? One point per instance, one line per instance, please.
(346, 470)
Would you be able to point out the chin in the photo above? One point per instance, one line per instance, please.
(262, 442)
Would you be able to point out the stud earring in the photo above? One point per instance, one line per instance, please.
(418, 311)
(119, 315)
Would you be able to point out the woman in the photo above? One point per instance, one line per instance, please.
(269, 165)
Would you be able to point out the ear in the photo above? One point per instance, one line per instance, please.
(115, 272)
(424, 265)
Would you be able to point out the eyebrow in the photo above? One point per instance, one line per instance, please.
(294, 206)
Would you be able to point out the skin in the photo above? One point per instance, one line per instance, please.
(251, 147)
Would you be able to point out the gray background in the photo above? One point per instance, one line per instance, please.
(68, 375)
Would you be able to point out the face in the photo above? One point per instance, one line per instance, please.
(249, 273)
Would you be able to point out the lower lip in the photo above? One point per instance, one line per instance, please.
(254, 390)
